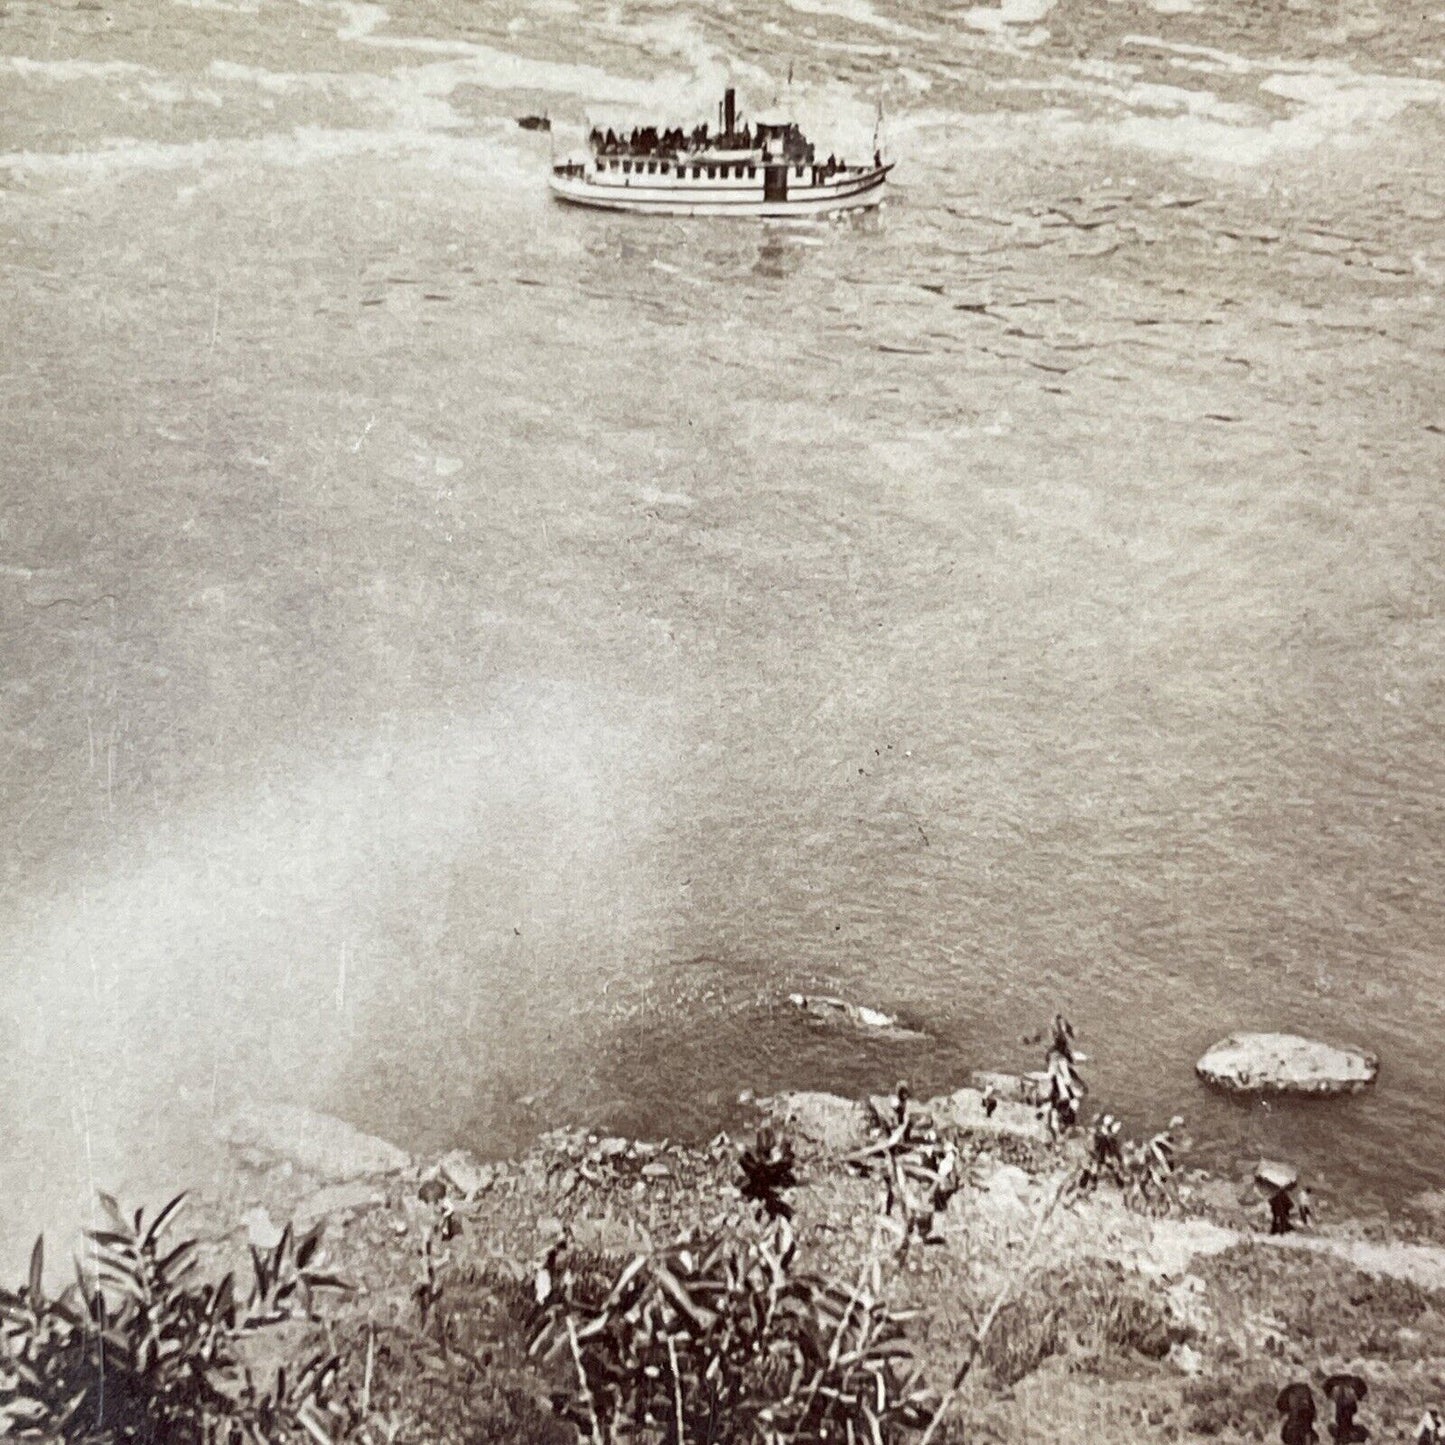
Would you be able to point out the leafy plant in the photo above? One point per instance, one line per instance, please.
(140, 1351)
(41, 1390)
(284, 1276)
(767, 1166)
(722, 1340)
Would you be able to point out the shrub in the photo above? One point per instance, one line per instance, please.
(466, 1379)
(1096, 1309)
(722, 1340)
(1230, 1403)
(1324, 1305)
(141, 1352)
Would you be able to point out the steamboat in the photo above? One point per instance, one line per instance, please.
(767, 169)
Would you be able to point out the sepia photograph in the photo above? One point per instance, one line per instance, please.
(722, 722)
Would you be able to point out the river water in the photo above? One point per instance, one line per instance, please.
(468, 660)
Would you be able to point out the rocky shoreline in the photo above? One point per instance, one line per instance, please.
(1230, 1314)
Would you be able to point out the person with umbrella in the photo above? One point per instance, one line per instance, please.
(434, 1194)
(1296, 1402)
(1345, 1392)
(1279, 1182)
(1281, 1211)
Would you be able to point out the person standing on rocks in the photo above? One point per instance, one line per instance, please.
(903, 1108)
(1304, 1206)
(1281, 1211)
(1106, 1153)
(1285, 1204)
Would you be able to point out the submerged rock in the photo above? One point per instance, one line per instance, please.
(839, 1010)
(1288, 1063)
(314, 1143)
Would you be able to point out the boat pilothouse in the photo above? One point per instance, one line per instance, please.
(764, 169)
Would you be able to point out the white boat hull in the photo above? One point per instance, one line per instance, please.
(851, 193)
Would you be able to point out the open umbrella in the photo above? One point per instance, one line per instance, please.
(1274, 1176)
(1346, 1385)
(1296, 1399)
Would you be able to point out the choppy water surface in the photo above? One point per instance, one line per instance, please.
(467, 660)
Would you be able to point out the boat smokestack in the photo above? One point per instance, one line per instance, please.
(730, 110)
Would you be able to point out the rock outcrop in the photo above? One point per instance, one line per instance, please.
(337, 1203)
(1031, 1088)
(967, 1109)
(461, 1171)
(841, 1125)
(838, 1125)
(1286, 1063)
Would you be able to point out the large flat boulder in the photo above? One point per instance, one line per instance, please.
(337, 1203)
(1286, 1063)
(316, 1144)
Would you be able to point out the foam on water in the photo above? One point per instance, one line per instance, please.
(1008, 13)
(494, 69)
(63, 72)
(305, 146)
(1335, 109)
(362, 20)
(855, 12)
(231, 7)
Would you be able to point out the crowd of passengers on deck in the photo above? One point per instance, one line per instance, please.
(649, 143)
